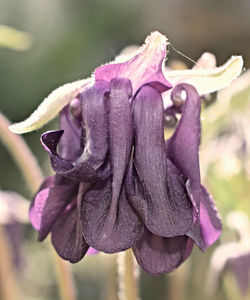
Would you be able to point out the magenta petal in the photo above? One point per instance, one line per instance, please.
(183, 146)
(159, 255)
(92, 251)
(144, 68)
(47, 206)
(34, 219)
(162, 200)
(210, 222)
(67, 237)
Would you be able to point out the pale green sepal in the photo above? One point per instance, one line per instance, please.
(50, 106)
(14, 39)
(208, 80)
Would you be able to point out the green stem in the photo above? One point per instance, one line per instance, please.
(128, 276)
(64, 277)
(177, 282)
(33, 176)
(109, 264)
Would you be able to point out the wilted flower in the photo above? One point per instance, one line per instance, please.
(118, 183)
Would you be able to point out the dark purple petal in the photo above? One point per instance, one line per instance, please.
(67, 237)
(108, 220)
(120, 134)
(183, 151)
(210, 222)
(104, 227)
(71, 136)
(183, 146)
(89, 165)
(162, 200)
(189, 248)
(159, 255)
(48, 182)
(48, 204)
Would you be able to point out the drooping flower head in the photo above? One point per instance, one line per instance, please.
(118, 183)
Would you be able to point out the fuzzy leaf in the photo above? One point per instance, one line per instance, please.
(51, 106)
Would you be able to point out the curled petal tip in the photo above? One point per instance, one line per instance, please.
(50, 107)
(156, 41)
(209, 80)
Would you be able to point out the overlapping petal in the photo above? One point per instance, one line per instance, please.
(88, 167)
(183, 151)
(163, 202)
(72, 132)
(210, 222)
(49, 203)
(67, 238)
(159, 255)
(109, 223)
(109, 226)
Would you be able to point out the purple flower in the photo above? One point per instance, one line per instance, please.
(118, 183)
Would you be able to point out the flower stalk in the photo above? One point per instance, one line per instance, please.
(33, 176)
(8, 285)
(128, 276)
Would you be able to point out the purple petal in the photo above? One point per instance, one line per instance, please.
(183, 150)
(48, 182)
(183, 146)
(109, 222)
(162, 200)
(109, 227)
(47, 206)
(71, 136)
(159, 255)
(144, 68)
(210, 222)
(67, 237)
(89, 165)
(120, 133)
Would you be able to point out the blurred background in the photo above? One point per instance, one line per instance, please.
(66, 41)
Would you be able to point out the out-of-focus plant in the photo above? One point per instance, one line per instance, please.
(225, 153)
(13, 215)
(14, 39)
(232, 257)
